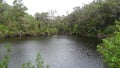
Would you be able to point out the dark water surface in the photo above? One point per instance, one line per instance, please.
(58, 51)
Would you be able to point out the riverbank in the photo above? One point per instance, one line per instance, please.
(99, 36)
(42, 34)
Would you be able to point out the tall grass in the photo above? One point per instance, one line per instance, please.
(38, 64)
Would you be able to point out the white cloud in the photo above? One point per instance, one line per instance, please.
(45, 5)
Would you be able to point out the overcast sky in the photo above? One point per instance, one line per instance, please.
(61, 6)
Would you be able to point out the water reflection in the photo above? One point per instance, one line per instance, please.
(58, 51)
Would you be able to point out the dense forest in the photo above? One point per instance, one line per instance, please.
(99, 18)
(94, 19)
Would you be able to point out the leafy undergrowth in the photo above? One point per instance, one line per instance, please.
(110, 49)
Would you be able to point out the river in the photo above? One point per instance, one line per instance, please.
(58, 51)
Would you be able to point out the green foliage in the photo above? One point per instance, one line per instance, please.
(38, 64)
(94, 17)
(110, 49)
(18, 9)
(110, 30)
(3, 30)
(90, 20)
(6, 58)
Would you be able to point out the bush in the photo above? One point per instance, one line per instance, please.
(110, 29)
(110, 49)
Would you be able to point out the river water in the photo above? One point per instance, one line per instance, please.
(58, 51)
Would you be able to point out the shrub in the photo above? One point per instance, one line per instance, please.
(110, 49)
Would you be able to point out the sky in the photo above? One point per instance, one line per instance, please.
(62, 7)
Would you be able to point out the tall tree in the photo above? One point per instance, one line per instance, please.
(18, 9)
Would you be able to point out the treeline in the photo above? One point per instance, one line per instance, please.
(94, 19)
(14, 21)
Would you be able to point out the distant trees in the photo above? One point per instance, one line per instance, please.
(93, 18)
(90, 20)
(18, 9)
(15, 21)
(42, 16)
